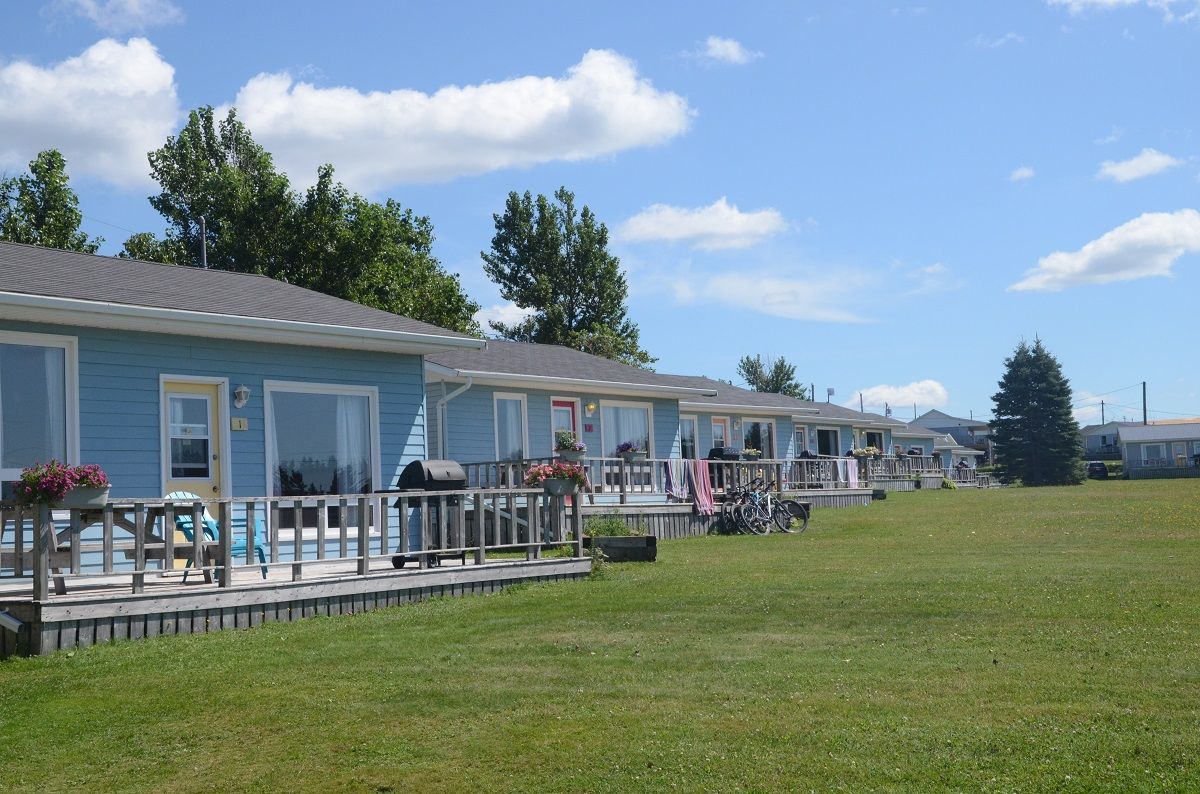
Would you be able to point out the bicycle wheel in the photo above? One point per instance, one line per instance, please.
(728, 522)
(795, 512)
(742, 517)
(782, 517)
(757, 519)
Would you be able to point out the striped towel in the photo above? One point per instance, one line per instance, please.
(676, 479)
(701, 487)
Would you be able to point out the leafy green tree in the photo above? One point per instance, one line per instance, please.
(40, 208)
(773, 375)
(549, 258)
(1035, 434)
(328, 239)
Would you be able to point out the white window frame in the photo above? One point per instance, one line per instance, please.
(695, 433)
(578, 417)
(506, 395)
(882, 447)
(837, 432)
(607, 448)
(725, 420)
(766, 454)
(168, 462)
(1158, 444)
(70, 347)
(304, 387)
(799, 439)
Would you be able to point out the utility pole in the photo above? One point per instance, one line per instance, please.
(812, 392)
(1102, 412)
(861, 410)
(203, 245)
(914, 412)
(1145, 419)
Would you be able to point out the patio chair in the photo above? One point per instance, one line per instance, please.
(212, 531)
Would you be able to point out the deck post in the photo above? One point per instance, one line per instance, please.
(364, 536)
(139, 546)
(297, 540)
(577, 525)
(225, 520)
(42, 535)
(480, 523)
(622, 475)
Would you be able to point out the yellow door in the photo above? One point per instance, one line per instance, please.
(193, 445)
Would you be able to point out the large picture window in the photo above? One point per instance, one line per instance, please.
(511, 436)
(621, 422)
(320, 439)
(757, 434)
(37, 401)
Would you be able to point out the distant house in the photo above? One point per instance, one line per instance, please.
(912, 436)
(1102, 440)
(967, 432)
(1146, 449)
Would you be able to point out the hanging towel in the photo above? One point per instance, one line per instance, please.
(701, 487)
(852, 471)
(676, 479)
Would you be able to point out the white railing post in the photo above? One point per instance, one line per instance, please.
(43, 534)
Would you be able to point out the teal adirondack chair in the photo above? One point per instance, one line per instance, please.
(212, 531)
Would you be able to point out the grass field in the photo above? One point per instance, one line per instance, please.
(998, 640)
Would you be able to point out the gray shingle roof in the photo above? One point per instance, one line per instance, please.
(1187, 431)
(503, 357)
(33, 270)
(735, 395)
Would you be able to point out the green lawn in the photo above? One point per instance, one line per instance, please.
(997, 640)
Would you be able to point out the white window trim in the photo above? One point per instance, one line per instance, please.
(608, 448)
(882, 439)
(374, 432)
(212, 431)
(578, 417)
(837, 432)
(695, 431)
(222, 431)
(799, 439)
(70, 347)
(762, 420)
(506, 395)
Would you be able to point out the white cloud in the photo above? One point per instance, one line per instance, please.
(1087, 407)
(725, 50)
(1146, 246)
(120, 16)
(1147, 162)
(792, 294)
(718, 225)
(104, 110)
(1113, 136)
(1021, 173)
(1167, 7)
(931, 279)
(925, 393)
(380, 138)
(992, 43)
(507, 313)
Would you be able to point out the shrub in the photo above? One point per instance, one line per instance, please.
(610, 526)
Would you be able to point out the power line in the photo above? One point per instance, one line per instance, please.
(1102, 394)
(106, 223)
(1152, 410)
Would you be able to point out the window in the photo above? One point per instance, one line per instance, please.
(720, 431)
(873, 439)
(757, 434)
(801, 439)
(621, 422)
(1153, 453)
(687, 437)
(564, 415)
(38, 402)
(511, 440)
(827, 441)
(188, 434)
(321, 439)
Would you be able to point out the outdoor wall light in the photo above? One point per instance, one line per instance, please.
(241, 395)
(591, 408)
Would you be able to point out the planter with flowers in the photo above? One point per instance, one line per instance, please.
(560, 478)
(568, 446)
(630, 451)
(867, 452)
(59, 485)
(750, 453)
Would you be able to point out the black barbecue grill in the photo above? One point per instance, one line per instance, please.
(430, 475)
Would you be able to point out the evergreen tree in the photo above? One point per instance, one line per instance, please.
(1035, 434)
(773, 375)
(553, 260)
(40, 208)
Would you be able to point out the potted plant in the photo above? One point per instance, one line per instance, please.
(560, 478)
(617, 541)
(867, 452)
(59, 485)
(630, 451)
(750, 453)
(568, 446)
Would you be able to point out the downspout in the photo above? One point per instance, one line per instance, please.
(439, 411)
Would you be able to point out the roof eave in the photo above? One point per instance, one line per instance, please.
(575, 384)
(100, 314)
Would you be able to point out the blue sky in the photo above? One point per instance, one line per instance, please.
(855, 186)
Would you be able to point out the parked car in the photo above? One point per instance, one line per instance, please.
(1096, 470)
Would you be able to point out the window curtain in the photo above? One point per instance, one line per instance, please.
(627, 424)
(33, 405)
(353, 445)
(273, 447)
(510, 434)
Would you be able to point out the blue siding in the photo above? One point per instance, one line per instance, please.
(119, 398)
(925, 444)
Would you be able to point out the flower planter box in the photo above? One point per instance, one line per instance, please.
(573, 455)
(752, 456)
(82, 498)
(559, 487)
(625, 548)
(633, 457)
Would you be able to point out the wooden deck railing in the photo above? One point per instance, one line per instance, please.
(138, 537)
